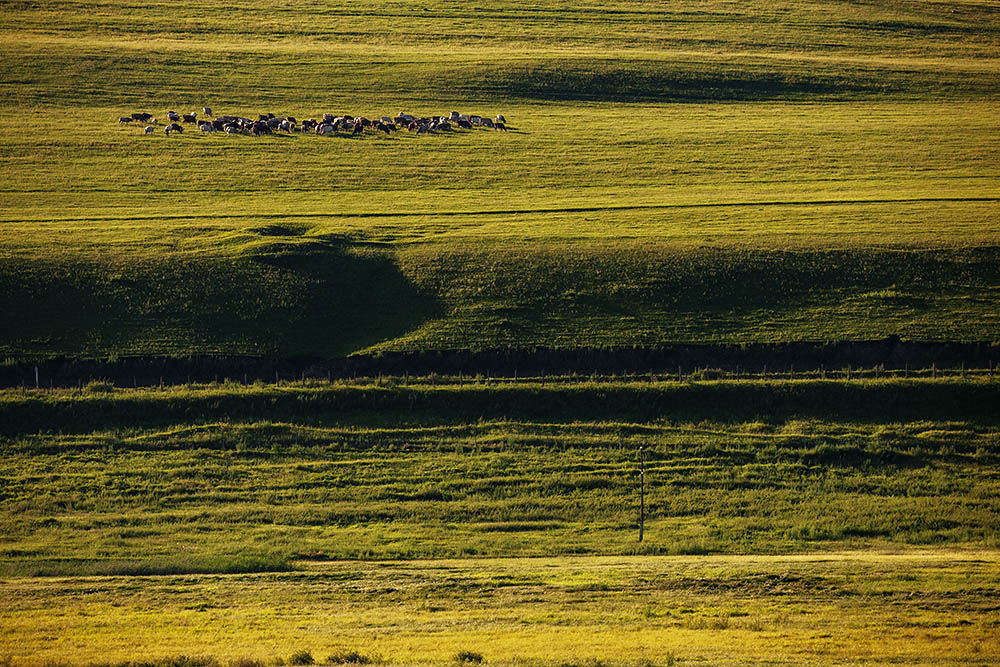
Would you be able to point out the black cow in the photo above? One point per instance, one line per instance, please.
(259, 128)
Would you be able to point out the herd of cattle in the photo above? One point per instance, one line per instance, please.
(329, 124)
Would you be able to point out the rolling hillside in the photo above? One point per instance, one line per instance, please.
(707, 172)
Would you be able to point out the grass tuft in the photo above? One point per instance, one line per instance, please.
(350, 658)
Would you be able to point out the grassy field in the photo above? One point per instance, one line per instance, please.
(252, 478)
(707, 172)
(702, 172)
(796, 521)
(928, 606)
(118, 508)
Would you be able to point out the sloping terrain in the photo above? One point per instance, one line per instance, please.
(705, 172)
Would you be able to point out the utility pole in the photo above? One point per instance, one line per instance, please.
(642, 491)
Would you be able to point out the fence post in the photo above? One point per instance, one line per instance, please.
(642, 491)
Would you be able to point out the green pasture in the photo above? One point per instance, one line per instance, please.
(703, 172)
(248, 478)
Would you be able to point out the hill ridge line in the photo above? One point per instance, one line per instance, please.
(520, 211)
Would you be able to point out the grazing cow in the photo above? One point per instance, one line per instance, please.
(149, 129)
(475, 120)
(422, 129)
(232, 128)
(324, 129)
(499, 119)
(189, 118)
(328, 118)
(285, 126)
(499, 126)
(308, 124)
(124, 119)
(174, 127)
(206, 127)
(173, 116)
(218, 124)
(207, 111)
(358, 129)
(486, 122)
(464, 124)
(291, 119)
(444, 125)
(144, 117)
(259, 128)
(379, 126)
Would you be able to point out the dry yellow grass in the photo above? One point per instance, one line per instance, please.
(918, 606)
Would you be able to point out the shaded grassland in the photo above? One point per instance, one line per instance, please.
(918, 607)
(704, 172)
(252, 478)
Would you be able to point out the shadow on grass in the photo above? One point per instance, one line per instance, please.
(278, 293)
(221, 564)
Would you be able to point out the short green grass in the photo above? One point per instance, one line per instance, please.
(815, 154)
